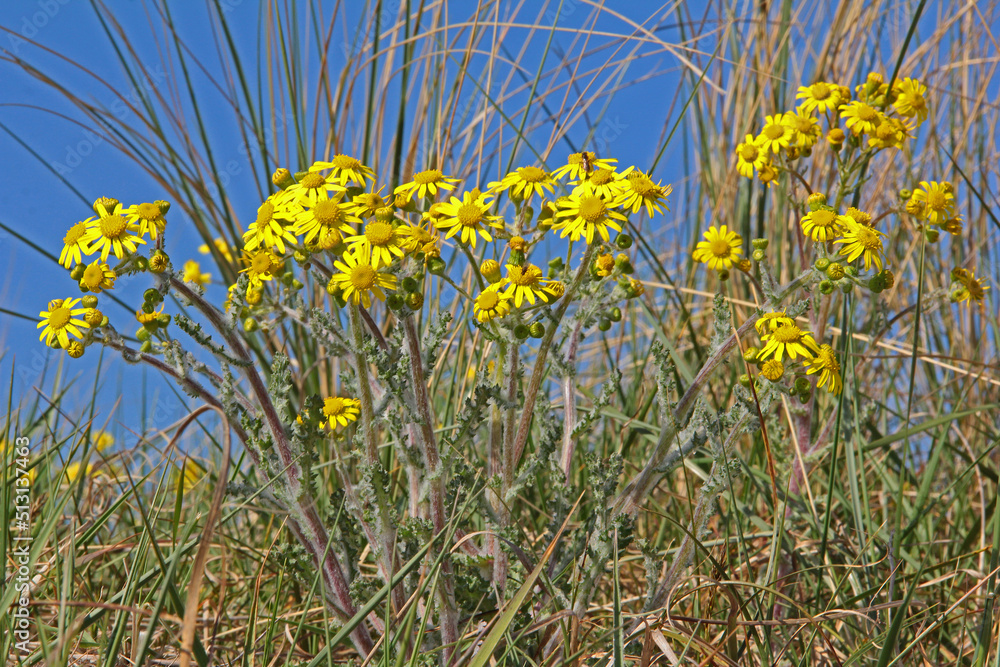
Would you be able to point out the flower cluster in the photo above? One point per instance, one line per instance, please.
(781, 337)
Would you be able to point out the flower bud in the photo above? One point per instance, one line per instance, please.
(521, 332)
(282, 178)
(516, 243)
(536, 330)
(750, 354)
(89, 301)
(802, 385)
(77, 272)
(158, 262)
(822, 264)
(932, 234)
(760, 244)
(75, 349)
(816, 201)
(744, 381)
(93, 317)
(744, 264)
(146, 347)
(437, 266)
(624, 241)
(414, 300)
(141, 263)
(250, 325)
(255, 296)
(826, 287)
(905, 194)
(723, 275)
(164, 206)
(846, 286)
(142, 334)
(615, 315)
(385, 214)
(152, 296)
(835, 138)
(888, 278)
(409, 284)
(490, 269)
(758, 255)
(835, 271)
(108, 203)
(604, 324)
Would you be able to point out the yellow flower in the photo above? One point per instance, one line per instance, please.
(110, 231)
(426, 182)
(148, 217)
(891, 133)
(220, 245)
(823, 225)
(340, 410)
(188, 475)
(468, 216)
(972, 288)
(323, 216)
(346, 168)
(142, 317)
(639, 189)
(261, 265)
(193, 274)
(820, 96)
(750, 156)
(790, 339)
(578, 165)
(861, 118)
(585, 214)
(59, 323)
(378, 244)
(524, 283)
(491, 303)
(772, 370)
(358, 279)
(805, 129)
(862, 241)
(98, 276)
(72, 472)
(776, 134)
(366, 203)
(825, 363)
(603, 183)
(270, 229)
(604, 265)
(771, 321)
(417, 238)
(720, 249)
(102, 440)
(524, 182)
(311, 188)
(74, 245)
(910, 99)
(938, 200)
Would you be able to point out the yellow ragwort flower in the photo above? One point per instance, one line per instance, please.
(603, 183)
(110, 231)
(345, 168)
(720, 249)
(772, 370)
(74, 245)
(98, 276)
(467, 216)
(639, 190)
(823, 225)
(938, 200)
(790, 339)
(366, 203)
(378, 244)
(861, 118)
(749, 156)
(972, 288)
(341, 410)
(805, 129)
(582, 215)
(524, 182)
(776, 134)
(491, 304)
(193, 274)
(771, 321)
(311, 188)
(524, 283)
(820, 96)
(261, 266)
(862, 241)
(324, 216)
(358, 280)
(825, 363)
(149, 217)
(578, 165)
(426, 183)
(271, 230)
(910, 100)
(58, 322)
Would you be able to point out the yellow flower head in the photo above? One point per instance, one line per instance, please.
(220, 245)
(578, 165)
(971, 288)
(749, 156)
(358, 280)
(938, 200)
(417, 238)
(340, 410)
(825, 363)
(378, 244)
(604, 265)
(823, 225)
(582, 215)
(111, 231)
(271, 228)
(58, 322)
(891, 133)
(820, 97)
(861, 118)
(910, 100)
(325, 215)
(491, 304)
(863, 241)
(603, 183)
(805, 129)
(366, 203)
(74, 245)
(426, 182)
(776, 135)
(261, 265)
(720, 249)
(98, 276)
(149, 217)
(193, 274)
(639, 190)
(790, 339)
(771, 321)
(311, 188)
(524, 283)
(772, 370)
(524, 182)
(467, 216)
(345, 169)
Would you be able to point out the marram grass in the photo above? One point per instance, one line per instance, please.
(479, 420)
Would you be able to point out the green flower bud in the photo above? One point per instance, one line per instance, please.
(604, 324)
(77, 272)
(750, 354)
(827, 286)
(932, 234)
(300, 257)
(758, 255)
(876, 284)
(822, 264)
(760, 244)
(141, 263)
(744, 380)
(152, 296)
(89, 301)
(846, 286)
(517, 257)
(905, 194)
(816, 201)
(142, 334)
(528, 213)
(250, 325)
(852, 271)
(146, 347)
(147, 308)
(624, 241)
(723, 274)
(835, 271)
(395, 301)
(414, 300)
(615, 315)
(163, 319)
(436, 265)
(410, 284)
(536, 330)
(521, 332)
(802, 384)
